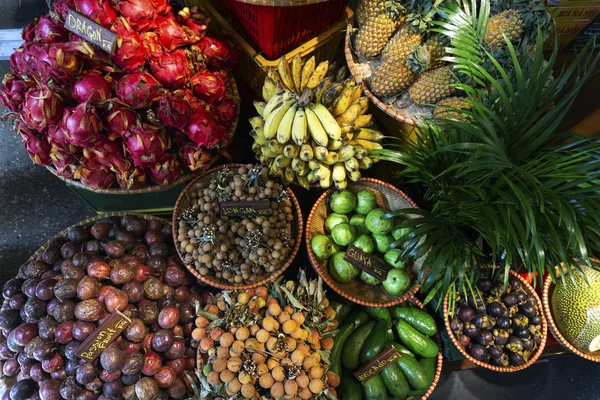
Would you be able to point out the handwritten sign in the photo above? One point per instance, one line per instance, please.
(91, 31)
(245, 208)
(104, 335)
(366, 262)
(376, 365)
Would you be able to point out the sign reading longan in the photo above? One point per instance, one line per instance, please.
(91, 31)
(376, 365)
(366, 262)
(104, 335)
(245, 208)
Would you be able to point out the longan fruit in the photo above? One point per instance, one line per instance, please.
(258, 358)
(219, 364)
(303, 334)
(297, 333)
(316, 386)
(298, 317)
(244, 378)
(277, 390)
(315, 372)
(234, 364)
(266, 381)
(274, 309)
(226, 376)
(271, 343)
(288, 309)
(286, 362)
(297, 357)
(212, 308)
(253, 344)
(272, 300)
(254, 329)
(333, 379)
(283, 317)
(291, 387)
(278, 373)
(261, 292)
(198, 333)
(308, 363)
(262, 335)
(222, 352)
(213, 378)
(242, 333)
(304, 348)
(233, 387)
(291, 343)
(327, 343)
(237, 348)
(305, 393)
(317, 357)
(262, 369)
(272, 363)
(289, 326)
(248, 391)
(206, 344)
(302, 380)
(270, 324)
(202, 322)
(215, 334)
(226, 339)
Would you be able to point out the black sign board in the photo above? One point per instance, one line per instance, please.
(366, 262)
(245, 208)
(91, 31)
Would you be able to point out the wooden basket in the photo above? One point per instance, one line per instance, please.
(548, 289)
(233, 91)
(182, 203)
(388, 197)
(530, 290)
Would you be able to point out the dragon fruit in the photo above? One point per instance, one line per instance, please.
(165, 170)
(36, 145)
(58, 141)
(145, 144)
(42, 107)
(219, 52)
(47, 30)
(94, 174)
(152, 45)
(99, 10)
(208, 87)
(195, 157)
(162, 7)
(171, 69)
(204, 129)
(138, 90)
(131, 51)
(119, 118)
(92, 87)
(12, 94)
(60, 8)
(171, 35)
(66, 165)
(173, 110)
(226, 111)
(196, 22)
(135, 178)
(81, 125)
(28, 32)
(222, 74)
(110, 154)
(140, 14)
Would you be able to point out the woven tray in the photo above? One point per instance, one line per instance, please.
(233, 91)
(533, 358)
(388, 197)
(546, 295)
(296, 231)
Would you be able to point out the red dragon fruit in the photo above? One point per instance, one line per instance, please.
(99, 10)
(219, 52)
(197, 22)
(145, 144)
(28, 32)
(171, 69)
(173, 110)
(42, 107)
(171, 35)
(226, 111)
(119, 118)
(58, 141)
(66, 165)
(81, 125)
(140, 14)
(92, 87)
(131, 52)
(152, 45)
(36, 145)
(208, 87)
(138, 90)
(60, 8)
(222, 74)
(94, 174)
(135, 178)
(165, 170)
(110, 154)
(204, 129)
(12, 94)
(162, 7)
(47, 30)
(195, 157)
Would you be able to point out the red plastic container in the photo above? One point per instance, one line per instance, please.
(276, 30)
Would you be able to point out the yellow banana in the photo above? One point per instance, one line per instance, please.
(275, 146)
(356, 93)
(256, 148)
(316, 130)
(335, 144)
(260, 107)
(367, 144)
(331, 94)
(322, 171)
(284, 130)
(354, 175)
(258, 136)
(264, 159)
(298, 164)
(363, 104)
(349, 116)
(339, 172)
(291, 151)
(362, 121)
(269, 88)
(351, 164)
(346, 129)
(317, 75)
(331, 158)
(325, 182)
(359, 152)
(275, 117)
(307, 71)
(306, 152)
(321, 153)
(284, 72)
(288, 176)
(297, 65)
(368, 134)
(341, 73)
(341, 185)
(346, 153)
(279, 97)
(311, 177)
(274, 75)
(303, 170)
(331, 70)
(268, 152)
(365, 163)
(257, 122)
(282, 161)
(329, 123)
(299, 128)
(303, 181)
(314, 164)
(321, 88)
(342, 103)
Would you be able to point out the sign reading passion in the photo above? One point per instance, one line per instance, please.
(104, 335)
(91, 31)
(366, 262)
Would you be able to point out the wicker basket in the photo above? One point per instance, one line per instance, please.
(388, 197)
(530, 290)
(183, 202)
(233, 91)
(547, 293)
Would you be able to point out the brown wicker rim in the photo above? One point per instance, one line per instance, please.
(359, 80)
(225, 286)
(530, 362)
(161, 188)
(548, 285)
(317, 266)
(282, 3)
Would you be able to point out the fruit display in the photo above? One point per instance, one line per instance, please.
(399, 49)
(162, 105)
(267, 342)
(65, 292)
(499, 327)
(574, 307)
(313, 127)
(229, 250)
(367, 332)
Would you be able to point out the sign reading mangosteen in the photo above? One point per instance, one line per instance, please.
(105, 334)
(376, 365)
(366, 262)
(91, 31)
(245, 208)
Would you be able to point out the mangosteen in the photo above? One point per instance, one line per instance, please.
(536, 320)
(456, 325)
(485, 285)
(503, 323)
(479, 352)
(522, 333)
(514, 283)
(519, 321)
(470, 330)
(485, 337)
(516, 359)
(494, 309)
(500, 336)
(521, 296)
(465, 313)
(510, 299)
(528, 309)
(480, 321)
(528, 344)
(514, 344)
(495, 351)
(501, 361)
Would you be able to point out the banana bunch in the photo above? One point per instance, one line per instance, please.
(312, 126)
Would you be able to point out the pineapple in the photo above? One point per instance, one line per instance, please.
(443, 111)
(508, 22)
(401, 44)
(391, 78)
(366, 8)
(378, 28)
(436, 45)
(432, 86)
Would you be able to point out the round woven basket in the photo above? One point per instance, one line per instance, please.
(530, 290)
(546, 295)
(388, 197)
(233, 91)
(296, 231)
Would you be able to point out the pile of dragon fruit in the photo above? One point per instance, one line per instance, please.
(159, 106)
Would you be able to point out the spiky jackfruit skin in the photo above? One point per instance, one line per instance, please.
(576, 310)
(391, 78)
(508, 22)
(457, 103)
(375, 33)
(432, 86)
(401, 44)
(366, 8)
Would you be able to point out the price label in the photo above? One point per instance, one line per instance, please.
(376, 365)
(105, 334)
(91, 31)
(245, 208)
(366, 262)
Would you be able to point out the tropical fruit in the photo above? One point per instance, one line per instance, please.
(576, 310)
(378, 28)
(507, 22)
(448, 106)
(432, 86)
